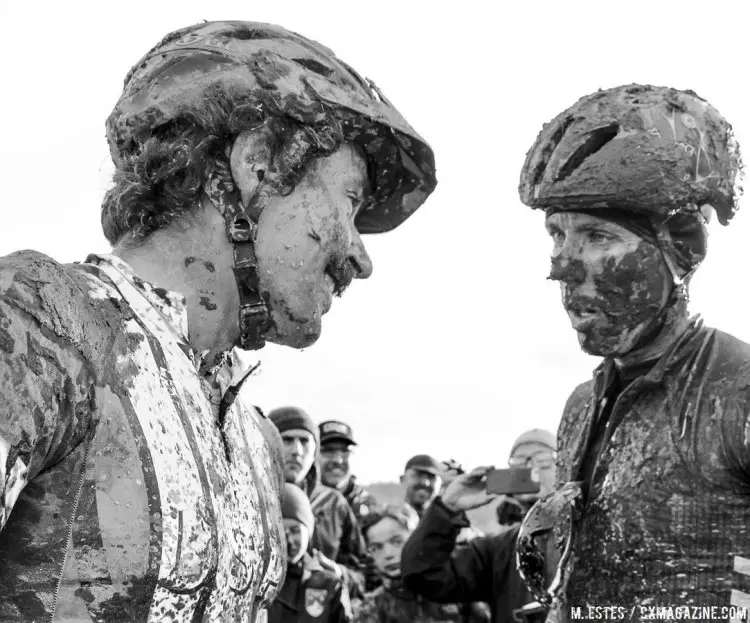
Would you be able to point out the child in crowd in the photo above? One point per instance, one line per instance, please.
(385, 531)
(310, 592)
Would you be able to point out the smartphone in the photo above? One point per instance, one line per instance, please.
(511, 481)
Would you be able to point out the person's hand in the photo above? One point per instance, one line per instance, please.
(468, 491)
(328, 564)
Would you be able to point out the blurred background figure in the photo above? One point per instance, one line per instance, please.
(336, 444)
(310, 592)
(422, 480)
(534, 449)
(386, 530)
(337, 539)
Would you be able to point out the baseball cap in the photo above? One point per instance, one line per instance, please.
(335, 430)
(425, 463)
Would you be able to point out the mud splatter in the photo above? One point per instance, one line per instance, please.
(210, 267)
(627, 294)
(207, 303)
(7, 343)
(163, 295)
(189, 260)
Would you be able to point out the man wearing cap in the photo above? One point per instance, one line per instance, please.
(337, 539)
(336, 441)
(310, 592)
(534, 449)
(136, 483)
(422, 479)
(658, 441)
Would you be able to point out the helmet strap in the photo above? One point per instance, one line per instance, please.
(679, 283)
(241, 224)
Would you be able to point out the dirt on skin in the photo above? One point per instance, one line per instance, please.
(629, 292)
(207, 303)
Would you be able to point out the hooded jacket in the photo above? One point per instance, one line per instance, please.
(121, 498)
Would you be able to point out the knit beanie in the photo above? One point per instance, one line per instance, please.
(288, 418)
(295, 505)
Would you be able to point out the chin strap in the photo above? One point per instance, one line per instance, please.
(679, 284)
(668, 252)
(242, 228)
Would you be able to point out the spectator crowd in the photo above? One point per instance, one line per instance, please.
(352, 557)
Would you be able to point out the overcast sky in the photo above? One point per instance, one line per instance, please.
(457, 343)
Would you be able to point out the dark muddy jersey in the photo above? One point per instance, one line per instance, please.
(121, 498)
(667, 521)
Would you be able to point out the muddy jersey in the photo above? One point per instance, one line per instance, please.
(122, 499)
(667, 518)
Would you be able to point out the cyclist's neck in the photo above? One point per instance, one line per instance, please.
(675, 324)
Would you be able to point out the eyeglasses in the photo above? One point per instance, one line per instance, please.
(561, 508)
(540, 460)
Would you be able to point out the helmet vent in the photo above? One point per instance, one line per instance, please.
(314, 66)
(548, 150)
(594, 142)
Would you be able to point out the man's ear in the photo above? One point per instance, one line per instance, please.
(250, 160)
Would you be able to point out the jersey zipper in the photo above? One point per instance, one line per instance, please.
(70, 529)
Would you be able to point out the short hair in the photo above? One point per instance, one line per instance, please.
(403, 514)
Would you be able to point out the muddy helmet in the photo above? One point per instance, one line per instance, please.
(652, 150)
(307, 83)
(281, 74)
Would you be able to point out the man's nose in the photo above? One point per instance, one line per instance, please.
(567, 270)
(359, 257)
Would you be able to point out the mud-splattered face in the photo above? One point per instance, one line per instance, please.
(297, 538)
(613, 282)
(421, 487)
(334, 462)
(308, 247)
(385, 540)
(299, 454)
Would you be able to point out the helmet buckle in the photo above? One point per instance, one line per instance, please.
(242, 229)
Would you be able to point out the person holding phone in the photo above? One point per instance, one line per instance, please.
(482, 570)
(534, 450)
